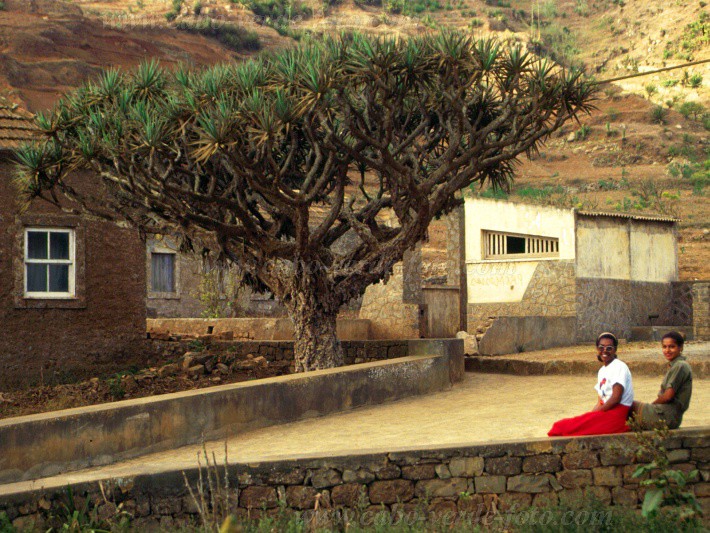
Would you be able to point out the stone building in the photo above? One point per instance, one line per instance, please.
(72, 290)
(540, 276)
(188, 285)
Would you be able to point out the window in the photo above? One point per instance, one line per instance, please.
(498, 245)
(49, 263)
(162, 268)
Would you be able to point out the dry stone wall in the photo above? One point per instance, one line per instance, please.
(476, 480)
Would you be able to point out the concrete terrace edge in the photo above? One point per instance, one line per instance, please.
(522, 367)
(48, 444)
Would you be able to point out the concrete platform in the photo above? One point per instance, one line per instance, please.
(643, 358)
(654, 333)
(484, 408)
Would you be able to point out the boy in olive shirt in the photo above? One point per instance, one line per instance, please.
(677, 386)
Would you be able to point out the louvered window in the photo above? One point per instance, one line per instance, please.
(497, 245)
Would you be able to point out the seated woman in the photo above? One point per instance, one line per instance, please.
(616, 394)
(676, 388)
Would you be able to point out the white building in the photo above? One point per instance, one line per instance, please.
(540, 276)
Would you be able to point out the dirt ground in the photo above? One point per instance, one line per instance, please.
(135, 384)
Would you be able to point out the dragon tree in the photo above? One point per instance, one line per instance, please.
(269, 163)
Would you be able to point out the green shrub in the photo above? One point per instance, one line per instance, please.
(232, 36)
(582, 8)
(5, 523)
(541, 193)
(582, 133)
(549, 9)
(695, 81)
(411, 7)
(278, 10)
(558, 43)
(115, 387)
(498, 3)
(658, 114)
(2, 8)
(174, 10)
(695, 36)
(691, 109)
(496, 194)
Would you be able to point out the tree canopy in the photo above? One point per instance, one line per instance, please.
(271, 162)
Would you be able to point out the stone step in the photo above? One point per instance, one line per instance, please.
(521, 367)
(654, 333)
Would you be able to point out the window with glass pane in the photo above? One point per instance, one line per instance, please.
(49, 263)
(162, 278)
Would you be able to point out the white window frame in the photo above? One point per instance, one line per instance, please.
(71, 262)
(494, 246)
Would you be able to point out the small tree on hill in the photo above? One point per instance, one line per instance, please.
(269, 163)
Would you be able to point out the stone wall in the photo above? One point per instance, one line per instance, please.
(393, 307)
(276, 329)
(365, 351)
(551, 293)
(701, 310)
(478, 480)
(617, 306)
(515, 334)
(679, 311)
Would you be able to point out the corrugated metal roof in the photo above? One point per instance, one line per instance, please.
(16, 125)
(652, 218)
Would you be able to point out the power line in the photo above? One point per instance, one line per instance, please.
(639, 74)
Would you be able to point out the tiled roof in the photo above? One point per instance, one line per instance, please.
(16, 125)
(653, 218)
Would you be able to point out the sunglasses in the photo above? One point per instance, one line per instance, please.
(608, 349)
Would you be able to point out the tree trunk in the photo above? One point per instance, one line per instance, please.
(314, 311)
(317, 345)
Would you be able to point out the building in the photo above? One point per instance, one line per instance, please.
(72, 289)
(540, 276)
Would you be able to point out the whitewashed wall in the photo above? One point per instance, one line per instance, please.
(507, 280)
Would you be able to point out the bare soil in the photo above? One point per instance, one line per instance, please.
(129, 385)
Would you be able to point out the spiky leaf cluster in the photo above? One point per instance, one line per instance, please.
(277, 158)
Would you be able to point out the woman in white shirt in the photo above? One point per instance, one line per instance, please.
(615, 392)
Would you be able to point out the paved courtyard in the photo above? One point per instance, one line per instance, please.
(484, 408)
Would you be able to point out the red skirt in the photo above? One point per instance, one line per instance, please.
(593, 423)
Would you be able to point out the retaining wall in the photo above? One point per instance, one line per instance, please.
(514, 334)
(278, 351)
(46, 444)
(478, 479)
(273, 329)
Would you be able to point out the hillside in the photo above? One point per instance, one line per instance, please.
(645, 149)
